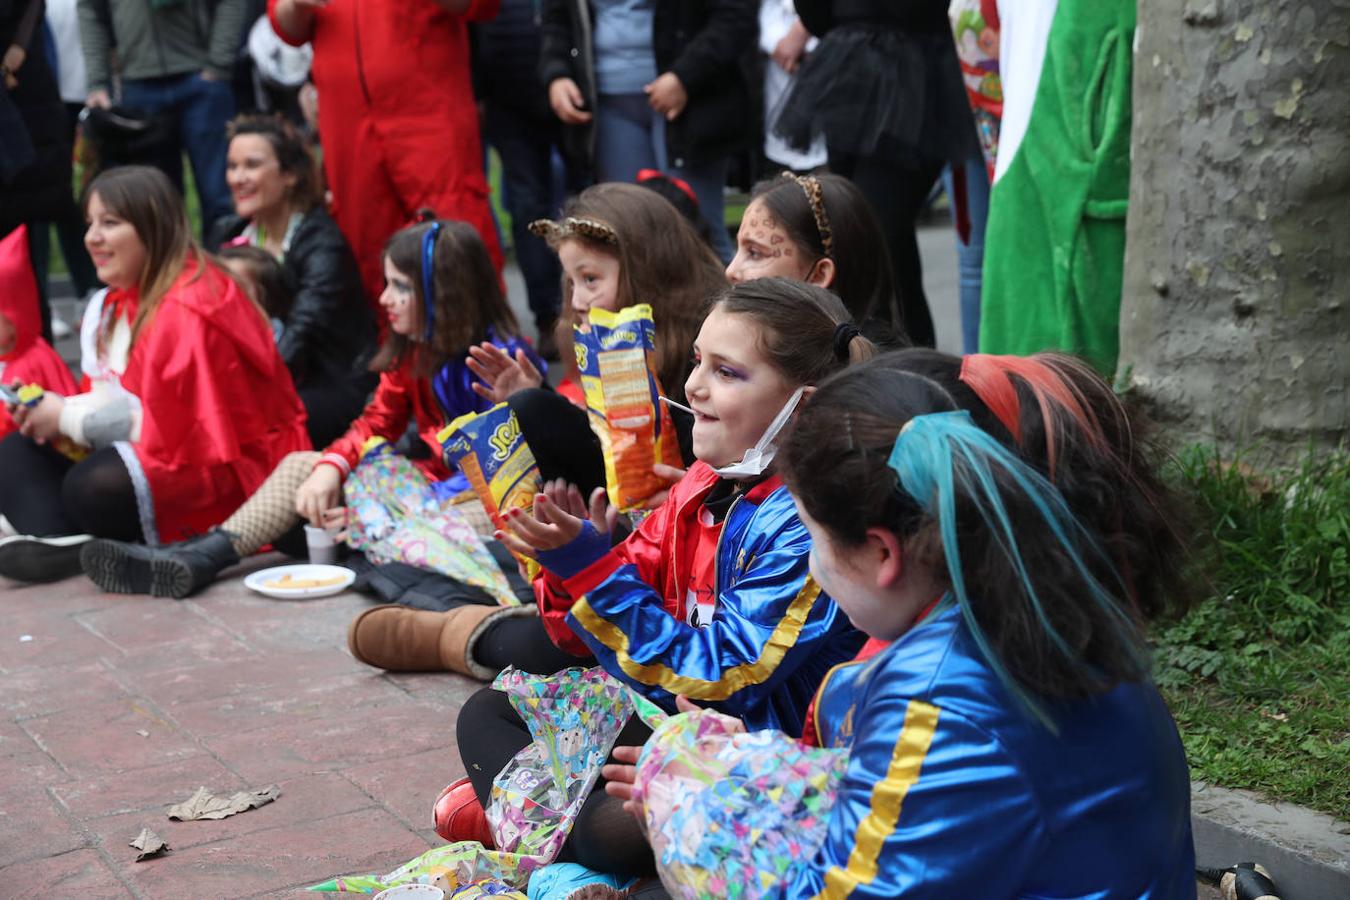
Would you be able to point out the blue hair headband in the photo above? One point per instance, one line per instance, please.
(428, 264)
(939, 455)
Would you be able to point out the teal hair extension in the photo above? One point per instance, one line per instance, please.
(939, 455)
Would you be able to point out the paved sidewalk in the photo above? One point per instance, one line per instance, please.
(115, 707)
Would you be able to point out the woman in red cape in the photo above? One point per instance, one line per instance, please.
(189, 405)
(25, 358)
(397, 116)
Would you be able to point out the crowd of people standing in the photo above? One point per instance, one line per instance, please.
(941, 566)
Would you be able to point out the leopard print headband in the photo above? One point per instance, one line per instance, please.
(591, 229)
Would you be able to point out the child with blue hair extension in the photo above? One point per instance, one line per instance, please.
(1009, 743)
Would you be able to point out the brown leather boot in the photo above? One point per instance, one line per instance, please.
(400, 639)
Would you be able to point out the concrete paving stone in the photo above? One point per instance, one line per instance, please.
(35, 692)
(145, 624)
(289, 625)
(54, 640)
(72, 595)
(308, 799)
(13, 739)
(262, 862)
(32, 826)
(80, 874)
(105, 739)
(409, 785)
(191, 680)
(283, 703)
(35, 767)
(337, 740)
(111, 793)
(444, 689)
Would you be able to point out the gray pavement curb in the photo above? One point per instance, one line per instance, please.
(1307, 853)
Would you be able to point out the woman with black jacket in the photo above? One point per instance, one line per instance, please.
(328, 334)
(884, 87)
(653, 84)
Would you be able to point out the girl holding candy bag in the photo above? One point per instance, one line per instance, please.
(1009, 741)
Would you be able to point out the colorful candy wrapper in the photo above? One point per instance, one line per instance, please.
(616, 356)
(731, 813)
(491, 452)
(574, 716)
(393, 515)
(29, 395)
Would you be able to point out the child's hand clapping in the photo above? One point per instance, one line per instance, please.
(502, 375)
(559, 517)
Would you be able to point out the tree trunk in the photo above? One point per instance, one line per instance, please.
(1234, 321)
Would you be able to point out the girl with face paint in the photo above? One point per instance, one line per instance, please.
(441, 296)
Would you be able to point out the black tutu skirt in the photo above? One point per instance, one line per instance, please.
(883, 93)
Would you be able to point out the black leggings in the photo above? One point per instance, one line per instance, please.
(604, 837)
(898, 195)
(45, 494)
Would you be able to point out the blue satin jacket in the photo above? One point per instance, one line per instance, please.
(773, 634)
(952, 791)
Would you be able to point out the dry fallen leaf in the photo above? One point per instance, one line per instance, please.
(149, 843)
(206, 805)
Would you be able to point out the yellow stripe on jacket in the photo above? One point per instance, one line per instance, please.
(783, 638)
(887, 797)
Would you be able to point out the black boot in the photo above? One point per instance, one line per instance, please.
(38, 560)
(171, 570)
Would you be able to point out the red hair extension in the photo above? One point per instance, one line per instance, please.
(991, 383)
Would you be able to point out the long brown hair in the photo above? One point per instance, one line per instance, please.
(468, 297)
(662, 262)
(144, 197)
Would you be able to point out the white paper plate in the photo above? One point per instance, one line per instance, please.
(272, 582)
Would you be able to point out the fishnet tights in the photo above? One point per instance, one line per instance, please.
(270, 512)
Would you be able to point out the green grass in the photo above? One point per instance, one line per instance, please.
(1258, 674)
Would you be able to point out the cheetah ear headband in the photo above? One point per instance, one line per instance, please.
(590, 229)
(810, 185)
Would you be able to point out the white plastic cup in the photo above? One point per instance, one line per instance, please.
(412, 892)
(322, 547)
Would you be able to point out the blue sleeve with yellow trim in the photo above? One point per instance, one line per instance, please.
(931, 806)
(771, 639)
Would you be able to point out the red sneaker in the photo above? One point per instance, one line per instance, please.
(460, 817)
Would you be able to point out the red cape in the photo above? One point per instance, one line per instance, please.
(219, 410)
(31, 360)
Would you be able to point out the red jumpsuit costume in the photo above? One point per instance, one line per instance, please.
(31, 360)
(398, 120)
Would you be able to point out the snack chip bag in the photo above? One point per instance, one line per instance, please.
(491, 452)
(616, 356)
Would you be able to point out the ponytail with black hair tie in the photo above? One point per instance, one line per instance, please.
(844, 333)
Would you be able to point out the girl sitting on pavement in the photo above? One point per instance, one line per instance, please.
(1009, 740)
(189, 406)
(619, 245)
(710, 596)
(441, 295)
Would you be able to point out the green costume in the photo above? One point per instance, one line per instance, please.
(1055, 245)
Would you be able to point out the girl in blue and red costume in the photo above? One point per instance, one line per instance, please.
(441, 296)
(710, 596)
(1008, 742)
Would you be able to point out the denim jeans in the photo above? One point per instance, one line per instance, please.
(200, 109)
(970, 255)
(529, 193)
(630, 135)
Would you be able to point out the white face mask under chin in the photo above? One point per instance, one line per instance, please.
(759, 457)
